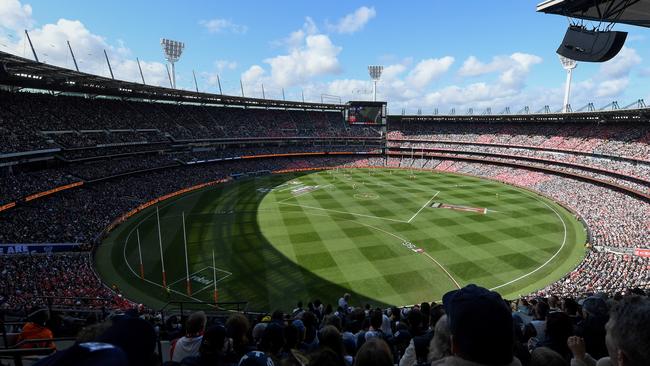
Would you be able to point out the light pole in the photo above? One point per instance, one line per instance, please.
(375, 75)
(568, 65)
(173, 51)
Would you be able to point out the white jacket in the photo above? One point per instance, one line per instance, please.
(186, 347)
(457, 361)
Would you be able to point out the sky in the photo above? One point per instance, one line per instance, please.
(437, 54)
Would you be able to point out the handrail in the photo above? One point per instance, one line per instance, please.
(18, 353)
(41, 340)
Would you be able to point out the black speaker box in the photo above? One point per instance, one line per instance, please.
(591, 46)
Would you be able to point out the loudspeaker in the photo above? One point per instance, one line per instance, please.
(591, 46)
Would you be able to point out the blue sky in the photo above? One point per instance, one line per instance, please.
(438, 54)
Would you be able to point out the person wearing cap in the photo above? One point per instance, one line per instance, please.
(189, 344)
(481, 329)
(595, 314)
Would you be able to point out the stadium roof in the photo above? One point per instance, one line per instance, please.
(20, 72)
(634, 12)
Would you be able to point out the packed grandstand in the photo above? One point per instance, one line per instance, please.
(72, 166)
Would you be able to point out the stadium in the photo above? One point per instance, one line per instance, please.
(151, 223)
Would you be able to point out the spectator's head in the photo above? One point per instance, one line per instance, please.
(558, 326)
(195, 324)
(594, 306)
(628, 332)
(330, 337)
(374, 352)
(325, 357)
(333, 320)
(346, 297)
(135, 336)
(481, 325)
(376, 318)
(543, 356)
(541, 310)
(272, 339)
(237, 326)
(213, 342)
(570, 306)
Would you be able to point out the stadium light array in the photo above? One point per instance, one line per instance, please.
(568, 65)
(173, 51)
(375, 74)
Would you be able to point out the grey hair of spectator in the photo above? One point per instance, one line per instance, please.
(440, 346)
(543, 356)
(628, 332)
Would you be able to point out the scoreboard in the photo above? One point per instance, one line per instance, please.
(365, 113)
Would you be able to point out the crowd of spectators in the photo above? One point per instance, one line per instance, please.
(27, 281)
(624, 140)
(637, 184)
(35, 121)
(632, 168)
(471, 326)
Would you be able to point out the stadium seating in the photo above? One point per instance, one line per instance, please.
(113, 155)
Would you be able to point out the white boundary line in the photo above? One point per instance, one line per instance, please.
(422, 208)
(494, 288)
(552, 257)
(399, 238)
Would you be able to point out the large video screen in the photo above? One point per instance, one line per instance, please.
(365, 113)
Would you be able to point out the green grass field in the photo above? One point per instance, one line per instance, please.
(371, 232)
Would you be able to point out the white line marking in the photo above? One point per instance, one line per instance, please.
(318, 188)
(228, 274)
(550, 259)
(422, 208)
(399, 238)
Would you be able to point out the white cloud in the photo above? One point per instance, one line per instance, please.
(428, 70)
(473, 67)
(514, 68)
(222, 65)
(621, 65)
(51, 47)
(220, 25)
(252, 75)
(354, 22)
(309, 54)
(15, 16)
(612, 88)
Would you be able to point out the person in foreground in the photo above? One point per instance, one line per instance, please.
(481, 329)
(627, 339)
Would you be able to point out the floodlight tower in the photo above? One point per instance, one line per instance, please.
(568, 65)
(375, 75)
(173, 51)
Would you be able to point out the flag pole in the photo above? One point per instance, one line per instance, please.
(162, 259)
(140, 254)
(214, 279)
(187, 267)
